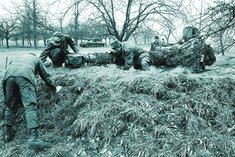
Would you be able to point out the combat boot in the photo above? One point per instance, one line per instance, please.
(8, 133)
(35, 142)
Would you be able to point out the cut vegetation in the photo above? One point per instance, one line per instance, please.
(107, 112)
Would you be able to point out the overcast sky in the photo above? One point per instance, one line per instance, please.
(7, 3)
(196, 4)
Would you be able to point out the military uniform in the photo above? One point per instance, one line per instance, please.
(57, 48)
(19, 82)
(128, 56)
(155, 44)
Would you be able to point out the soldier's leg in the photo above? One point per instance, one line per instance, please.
(57, 56)
(144, 61)
(29, 101)
(28, 97)
(137, 62)
(10, 94)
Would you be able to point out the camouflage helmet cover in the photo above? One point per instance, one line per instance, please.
(115, 45)
(57, 38)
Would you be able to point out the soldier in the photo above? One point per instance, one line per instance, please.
(19, 84)
(163, 42)
(155, 44)
(57, 48)
(127, 56)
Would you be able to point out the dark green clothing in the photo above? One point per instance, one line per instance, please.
(154, 45)
(16, 87)
(19, 84)
(28, 67)
(67, 41)
(133, 56)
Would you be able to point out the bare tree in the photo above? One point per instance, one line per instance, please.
(219, 23)
(133, 13)
(96, 31)
(167, 27)
(7, 27)
(144, 33)
(33, 13)
(59, 15)
(70, 11)
(76, 23)
(31, 20)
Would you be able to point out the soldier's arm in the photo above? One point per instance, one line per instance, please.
(128, 59)
(72, 43)
(45, 53)
(46, 77)
(152, 47)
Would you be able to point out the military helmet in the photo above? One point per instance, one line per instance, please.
(115, 45)
(57, 38)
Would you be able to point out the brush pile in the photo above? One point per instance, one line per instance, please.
(100, 58)
(107, 112)
(185, 54)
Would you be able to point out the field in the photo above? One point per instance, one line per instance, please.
(103, 111)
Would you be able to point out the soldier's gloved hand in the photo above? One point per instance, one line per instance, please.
(120, 67)
(111, 51)
(125, 68)
(58, 88)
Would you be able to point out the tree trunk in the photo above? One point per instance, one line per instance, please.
(35, 41)
(29, 42)
(7, 42)
(221, 43)
(76, 22)
(34, 24)
(22, 42)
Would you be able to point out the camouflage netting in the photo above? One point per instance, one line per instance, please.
(101, 58)
(185, 55)
(78, 60)
(107, 112)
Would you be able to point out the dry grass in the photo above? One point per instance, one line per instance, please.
(107, 112)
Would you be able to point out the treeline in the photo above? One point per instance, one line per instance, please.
(29, 21)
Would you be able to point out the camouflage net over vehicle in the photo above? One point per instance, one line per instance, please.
(99, 58)
(186, 54)
(192, 53)
(78, 60)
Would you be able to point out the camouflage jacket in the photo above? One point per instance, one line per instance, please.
(154, 45)
(129, 54)
(27, 67)
(68, 41)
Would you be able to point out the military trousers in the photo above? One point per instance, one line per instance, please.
(57, 57)
(19, 88)
(142, 61)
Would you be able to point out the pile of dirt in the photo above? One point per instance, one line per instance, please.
(107, 112)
